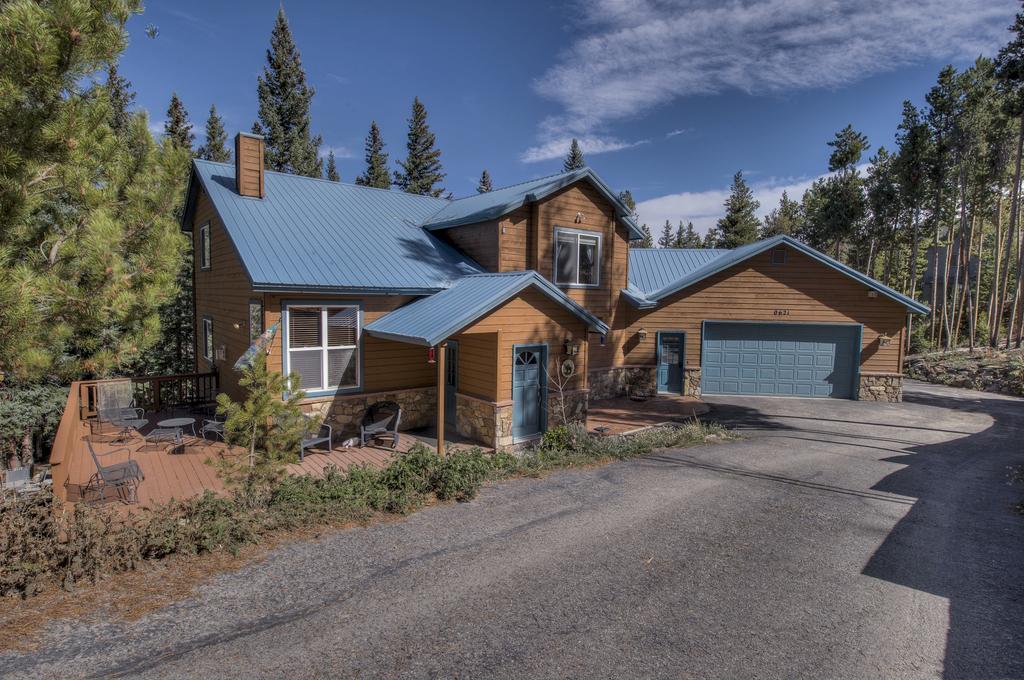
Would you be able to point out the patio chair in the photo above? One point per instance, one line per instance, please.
(126, 420)
(380, 422)
(164, 435)
(213, 427)
(124, 478)
(17, 478)
(314, 436)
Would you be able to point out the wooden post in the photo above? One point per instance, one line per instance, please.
(442, 350)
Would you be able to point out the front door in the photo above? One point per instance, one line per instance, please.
(670, 362)
(527, 391)
(451, 381)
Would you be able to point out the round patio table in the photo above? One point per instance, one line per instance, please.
(179, 422)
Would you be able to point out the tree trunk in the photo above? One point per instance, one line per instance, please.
(915, 249)
(976, 295)
(997, 256)
(1011, 232)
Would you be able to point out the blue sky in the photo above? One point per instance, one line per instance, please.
(670, 97)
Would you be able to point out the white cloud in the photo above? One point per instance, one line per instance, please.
(676, 132)
(703, 208)
(634, 55)
(558, 147)
(339, 152)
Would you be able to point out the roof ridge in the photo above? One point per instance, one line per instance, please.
(525, 181)
(329, 181)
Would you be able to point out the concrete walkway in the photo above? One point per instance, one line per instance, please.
(840, 540)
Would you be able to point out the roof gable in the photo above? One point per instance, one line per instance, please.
(431, 319)
(314, 235)
(494, 204)
(645, 297)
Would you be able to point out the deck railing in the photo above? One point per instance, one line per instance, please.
(157, 392)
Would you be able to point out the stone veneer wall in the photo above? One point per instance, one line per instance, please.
(576, 405)
(881, 387)
(487, 422)
(606, 383)
(691, 382)
(344, 413)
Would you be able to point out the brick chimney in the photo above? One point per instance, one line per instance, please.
(249, 164)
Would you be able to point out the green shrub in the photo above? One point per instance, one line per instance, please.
(461, 475)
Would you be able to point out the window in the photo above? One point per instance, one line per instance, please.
(255, 319)
(204, 246)
(208, 339)
(779, 256)
(577, 258)
(323, 346)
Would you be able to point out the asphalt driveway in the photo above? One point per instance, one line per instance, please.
(841, 539)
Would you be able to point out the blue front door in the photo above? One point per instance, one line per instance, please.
(451, 381)
(670, 362)
(527, 391)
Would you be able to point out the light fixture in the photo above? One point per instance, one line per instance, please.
(642, 333)
(579, 218)
(431, 355)
(884, 340)
(872, 293)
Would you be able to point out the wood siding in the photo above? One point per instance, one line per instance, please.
(222, 293)
(478, 241)
(516, 242)
(808, 290)
(249, 166)
(478, 361)
(532, 318)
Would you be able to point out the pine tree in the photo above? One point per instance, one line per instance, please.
(485, 183)
(667, 238)
(782, 220)
(377, 174)
(740, 224)
(1010, 74)
(119, 92)
(332, 167)
(626, 198)
(911, 167)
(421, 171)
(574, 159)
(177, 127)
(216, 146)
(687, 237)
(284, 99)
(711, 238)
(648, 240)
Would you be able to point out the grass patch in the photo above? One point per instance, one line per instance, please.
(42, 544)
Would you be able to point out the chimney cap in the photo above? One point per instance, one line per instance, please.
(251, 135)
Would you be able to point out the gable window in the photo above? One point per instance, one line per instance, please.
(255, 319)
(577, 258)
(323, 346)
(779, 256)
(204, 246)
(208, 338)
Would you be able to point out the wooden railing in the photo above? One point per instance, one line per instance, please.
(156, 392)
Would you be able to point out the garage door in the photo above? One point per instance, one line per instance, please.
(784, 359)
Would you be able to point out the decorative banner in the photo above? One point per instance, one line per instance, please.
(261, 343)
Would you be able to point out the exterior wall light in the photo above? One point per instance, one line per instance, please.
(884, 340)
(571, 347)
(642, 333)
(431, 355)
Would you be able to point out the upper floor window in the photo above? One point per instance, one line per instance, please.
(577, 258)
(323, 346)
(204, 246)
(208, 338)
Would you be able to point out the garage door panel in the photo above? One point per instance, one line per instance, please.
(785, 359)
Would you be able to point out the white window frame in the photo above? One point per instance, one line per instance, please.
(208, 339)
(597, 263)
(324, 307)
(205, 247)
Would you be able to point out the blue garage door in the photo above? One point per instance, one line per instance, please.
(783, 359)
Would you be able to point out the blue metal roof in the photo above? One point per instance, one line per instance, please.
(651, 269)
(493, 204)
(431, 319)
(644, 298)
(310, 234)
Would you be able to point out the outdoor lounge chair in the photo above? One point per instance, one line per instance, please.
(125, 420)
(314, 437)
(124, 478)
(214, 427)
(380, 422)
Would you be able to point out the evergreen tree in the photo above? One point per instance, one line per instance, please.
(687, 237)
(284, 99)
(626, 198)
(740, 224)
(574, 159)
(914, 145)
(377, 174)
(667, 238)
(119, 92)
(332, 167)
(648, 240)
(711, 238)
(421, 171)
(216, 146)
(783, 220)
(1010, 75)
(485, 182)
(177, 127)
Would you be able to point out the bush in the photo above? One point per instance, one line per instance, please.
(461, 475)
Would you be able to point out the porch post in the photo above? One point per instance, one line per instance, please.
(442, 350)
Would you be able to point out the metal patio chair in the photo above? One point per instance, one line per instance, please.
(212, 427)
(314, 436)
(381, 422)
(123, 478)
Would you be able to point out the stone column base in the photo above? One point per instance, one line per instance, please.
(691, 382)
(881, 387)
(487, 422)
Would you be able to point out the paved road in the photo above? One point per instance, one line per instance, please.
(842, 539)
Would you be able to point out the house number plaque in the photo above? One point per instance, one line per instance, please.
(781, 312)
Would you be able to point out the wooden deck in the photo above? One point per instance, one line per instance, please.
(622, 414)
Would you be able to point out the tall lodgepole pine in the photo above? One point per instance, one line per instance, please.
(1010, 74)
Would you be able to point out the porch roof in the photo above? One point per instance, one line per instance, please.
(430, 320)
